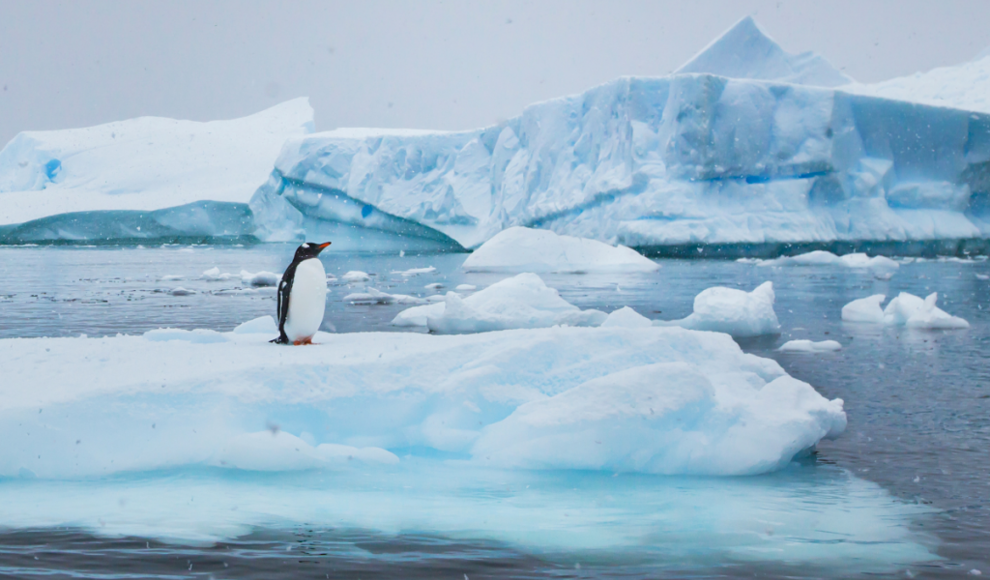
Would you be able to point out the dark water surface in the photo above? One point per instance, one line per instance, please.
(918, 404)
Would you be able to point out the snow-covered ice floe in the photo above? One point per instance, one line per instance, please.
(256, 279)
(736, 312)
(523, 301)
(660, 400)
(374, 296)
(810, 346)
(143, 178)
(520, 249)
(355, 277)
(904, 310)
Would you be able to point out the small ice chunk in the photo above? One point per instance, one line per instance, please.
(901, 308)
(983, 276)
(434, 286)
(931, 317)
(197, 336)
(879, 265)
(180, 291)
(172, 278)
(374, 296)
(261, 325)
(260, 278)
(864, 310)
(213, 275)
(355, 276)
(414, 272)
(519, 249)
(810, 346)
(466, 288)
(735, 312)
(419, 315)
(626, 317)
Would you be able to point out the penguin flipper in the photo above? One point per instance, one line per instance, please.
(284, 289)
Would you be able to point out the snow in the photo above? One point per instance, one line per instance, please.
(809, 346)
(258, 279)
(626, 317)
(735, 312)
(520, 249)
(523, 301)
(144, 164)
(876, 264)
(374, 296)
(521, 398)
(472, 287)
(963, 86)
(355, 277)
(865, 310)
(745, 51)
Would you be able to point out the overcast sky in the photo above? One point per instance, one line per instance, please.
(444, 65)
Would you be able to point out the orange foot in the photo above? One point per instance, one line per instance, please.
(307, 340)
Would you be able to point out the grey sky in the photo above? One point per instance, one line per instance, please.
(443, 65)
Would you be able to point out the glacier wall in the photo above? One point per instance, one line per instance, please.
(690, 159)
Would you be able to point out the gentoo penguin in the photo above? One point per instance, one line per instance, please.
(302, 296)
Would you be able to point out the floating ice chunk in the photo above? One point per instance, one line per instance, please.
(180, 291)
(259, 279)
(736, 312)
(626, 317)
(214, 275)
(983, 276)
(472, 287)
(913, 312)
(172, 278)
(864, 310)
(261, 325)
(355, 276)
(433, 286)
(375, 296)
(876, 264)
(810, 346)
(439, 297)
(665, 418)
(931, 317)
(197, 336)
(414, 272)
(520, 249)
(522, 301)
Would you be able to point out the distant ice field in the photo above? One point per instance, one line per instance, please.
(904, 488)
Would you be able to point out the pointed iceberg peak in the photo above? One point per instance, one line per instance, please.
(745, 51)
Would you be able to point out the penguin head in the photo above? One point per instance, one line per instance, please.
(308, 250)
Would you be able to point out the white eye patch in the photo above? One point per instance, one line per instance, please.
(306, 246)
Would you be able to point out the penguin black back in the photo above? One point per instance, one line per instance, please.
(304, 252)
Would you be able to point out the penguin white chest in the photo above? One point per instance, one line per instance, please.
(307, 300)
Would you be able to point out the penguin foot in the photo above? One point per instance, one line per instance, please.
(307, 340)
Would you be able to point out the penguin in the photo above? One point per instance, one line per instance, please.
(302, 296)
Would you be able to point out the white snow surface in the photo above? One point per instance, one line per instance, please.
(523, 301)
(519, 249)
(735, 312)
(745, 51)
(149, 163)
(665, 400)
(810, 346)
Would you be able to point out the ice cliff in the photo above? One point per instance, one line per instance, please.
(690, 160)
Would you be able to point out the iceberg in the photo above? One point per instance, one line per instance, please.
(736, 158)
(520, 249)
(522, 301)
(904, 310)
(865, 310)
(669, 400)
(145, 178)
(736, 312)
(810, 346)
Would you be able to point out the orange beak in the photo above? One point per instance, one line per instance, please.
(321, 246)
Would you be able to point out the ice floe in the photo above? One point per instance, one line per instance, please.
(520, 249)
(374, 296)
(865, 310)
(903, 310)
(415, 272)
(259, 279)
(876, 264)
(736, 312)
(355, 277)
(810, 346)
(214, 275)
(626, 317)
(659, 400)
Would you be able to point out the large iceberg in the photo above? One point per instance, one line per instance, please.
(667, 164)
(667, 400)
(143, 178)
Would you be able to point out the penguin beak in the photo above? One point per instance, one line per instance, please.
(321, 246)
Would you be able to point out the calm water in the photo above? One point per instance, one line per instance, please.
(918, 403)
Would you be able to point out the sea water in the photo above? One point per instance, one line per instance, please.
(904, 490)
